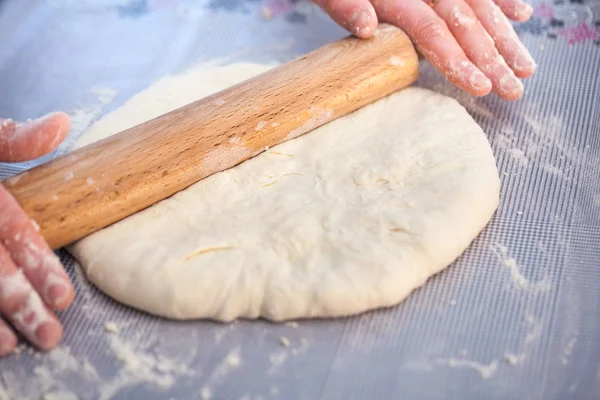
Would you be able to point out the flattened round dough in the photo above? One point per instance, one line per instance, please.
(350, 217)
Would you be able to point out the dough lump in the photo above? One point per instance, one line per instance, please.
(350, 217)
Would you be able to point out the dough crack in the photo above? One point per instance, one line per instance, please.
(281, 154)
(282, 176)
(204, 251)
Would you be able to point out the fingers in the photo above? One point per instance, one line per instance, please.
(508, 43)
(515, 9)
(23, 307)
(30, 140)
(479, 47)
(28, 250)
(8, 340)
(357, 16)
(435, 41)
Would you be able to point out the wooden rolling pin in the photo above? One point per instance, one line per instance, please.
(97, 185)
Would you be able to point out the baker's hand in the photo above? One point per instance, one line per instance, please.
(32, 279)
(471, 42)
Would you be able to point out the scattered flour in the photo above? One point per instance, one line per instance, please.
(519, 155)
(62, 375)
(513, 359)
(516, 276)
(542, 146)
(137, 366)
(54, 376)
(535, 332)
(564, 359)
(486, 371)
(60, 396)
(231, 362)
(277, 359)
(111, 327)
(205, 393)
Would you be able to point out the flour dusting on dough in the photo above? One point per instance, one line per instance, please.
(317, 117)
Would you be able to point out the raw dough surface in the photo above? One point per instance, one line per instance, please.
(350, 217)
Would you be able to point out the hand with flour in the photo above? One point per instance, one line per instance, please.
(32, 279)
(471, 42)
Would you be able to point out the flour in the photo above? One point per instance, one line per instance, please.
(111, 327)
(62, 375)
(277, 359)
(510, 358)
(31, 315)
(537, 143)
(137, 366)
(60, 396)
(285, 342)
(564, 359)
(518, 279)
(205, 393)
(317, 117)
(514, 359)
(461, 19)
(486, 371)
(56, 373)
(231, 362)
(519, 155)
(535, 330)
(397, 61)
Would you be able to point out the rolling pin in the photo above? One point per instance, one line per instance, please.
(104, 182)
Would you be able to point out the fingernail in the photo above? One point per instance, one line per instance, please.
(8, 341)
(525, 63)
(48, 335)
(57, 289)
(479, 81)
(359, 22)
(527, 9)
(510, 86)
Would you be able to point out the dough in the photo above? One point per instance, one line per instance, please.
(350, 217)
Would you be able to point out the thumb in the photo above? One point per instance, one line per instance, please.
(30, 140)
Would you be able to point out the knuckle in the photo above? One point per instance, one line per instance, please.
(461, 16)
(428, 28)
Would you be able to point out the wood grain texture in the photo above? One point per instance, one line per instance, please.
(97, 185)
